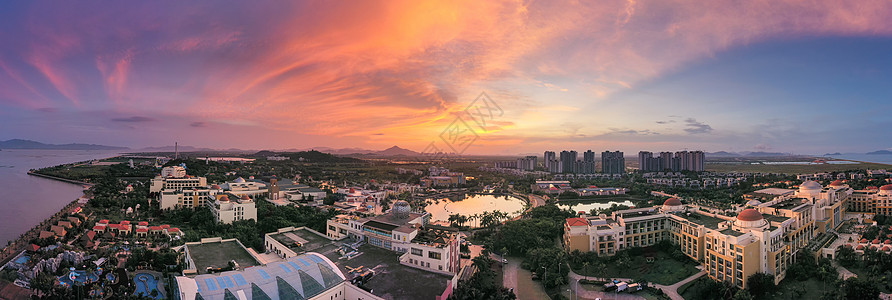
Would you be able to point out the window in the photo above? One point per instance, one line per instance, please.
(434, 255)
(417, 252)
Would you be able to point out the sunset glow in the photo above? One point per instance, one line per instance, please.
(627, 75)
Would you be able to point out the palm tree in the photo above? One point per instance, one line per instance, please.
(585, 270)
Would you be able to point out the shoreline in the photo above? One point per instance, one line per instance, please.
(72, 181)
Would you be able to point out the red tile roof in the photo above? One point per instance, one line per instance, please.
(576, 222)
(103, 221)
(143, 223)
(142, 230)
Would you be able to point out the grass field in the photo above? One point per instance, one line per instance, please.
(663, 270)
(789, 169)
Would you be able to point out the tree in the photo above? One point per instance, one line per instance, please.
(860, 288)
(742, 295)
(760, 285)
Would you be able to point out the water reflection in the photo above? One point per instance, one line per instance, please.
(470, 204)
(587, 206)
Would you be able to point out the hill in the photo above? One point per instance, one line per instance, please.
(880, 152)
(28, 144)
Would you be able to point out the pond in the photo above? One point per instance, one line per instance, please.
(588, 205)
(471, 204)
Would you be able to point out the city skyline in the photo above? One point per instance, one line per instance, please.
(788, 76)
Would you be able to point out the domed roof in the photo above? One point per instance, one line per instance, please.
(887, 187)
(876, 241)
(864, 240)
(215, 187)
(224, 198)
(749, 214)
(754, 202)
(836, 183)
(239, 180)
(871, 188)
(672, 202)
(245, 197)
(860, 247)
(810, 185)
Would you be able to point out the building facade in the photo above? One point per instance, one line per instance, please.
(762, 237)
(613, 162)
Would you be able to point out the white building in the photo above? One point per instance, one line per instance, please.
(428, 247)
(309, 276)
(227, 210)
(161, 183)
(173, 171)
(240, 186)
(188, 197)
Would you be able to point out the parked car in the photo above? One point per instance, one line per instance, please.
(609, 286)
(622, 286)
(634, 287)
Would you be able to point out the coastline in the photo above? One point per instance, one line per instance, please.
(72, 181)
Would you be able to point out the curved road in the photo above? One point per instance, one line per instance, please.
(670, 290)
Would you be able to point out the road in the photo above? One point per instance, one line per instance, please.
(595, 294)
(521, 281)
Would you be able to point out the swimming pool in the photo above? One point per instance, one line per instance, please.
(78, 278)
(22, 259)
(145, 283)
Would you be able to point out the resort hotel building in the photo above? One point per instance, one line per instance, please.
(762, 237)
(424, 246)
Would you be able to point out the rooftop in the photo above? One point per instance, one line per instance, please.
(302, 240)
(218, 255)
(788, 204)
(704, 220)
(393, 280)
(299, 277)
(773, 218)
(437, 236)
(732, 232)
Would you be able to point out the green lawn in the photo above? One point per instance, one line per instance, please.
(663, 270)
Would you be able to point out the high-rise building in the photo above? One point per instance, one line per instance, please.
(568, 161)
(549, 157)
(666, 161)
(527, 163)
(613, 162)
(679, 161)
(589, 155)
(646, 161)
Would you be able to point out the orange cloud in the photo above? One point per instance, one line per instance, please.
(402, 70)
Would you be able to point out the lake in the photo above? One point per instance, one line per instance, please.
(27, 199)
(474, 204)
(587, 206)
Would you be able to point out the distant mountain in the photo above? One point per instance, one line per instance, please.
(880, 152)
(394, 151)
(767, 154)
(28, 144)
(722, 154)
(832, 154)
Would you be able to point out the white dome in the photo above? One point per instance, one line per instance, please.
(239, 180)
(754, 203)
(810, 185)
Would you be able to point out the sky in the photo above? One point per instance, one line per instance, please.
(807, 77)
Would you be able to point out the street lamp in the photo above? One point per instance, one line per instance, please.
(545, 277)
(577, 289)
